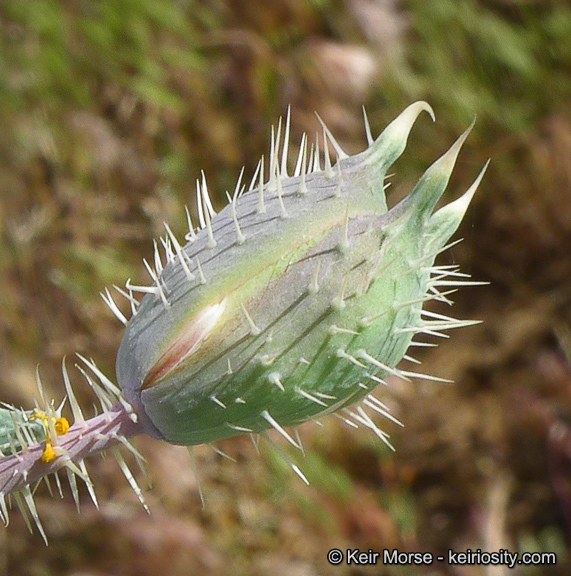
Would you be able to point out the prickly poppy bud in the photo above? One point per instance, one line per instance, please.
(296, 300)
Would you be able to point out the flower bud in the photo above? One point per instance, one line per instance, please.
(296, 300)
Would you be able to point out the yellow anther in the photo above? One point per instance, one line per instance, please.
(61, 426)
(49, 453)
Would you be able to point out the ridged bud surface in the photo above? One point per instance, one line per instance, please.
(293, 301)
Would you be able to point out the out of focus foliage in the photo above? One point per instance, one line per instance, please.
(109, 110)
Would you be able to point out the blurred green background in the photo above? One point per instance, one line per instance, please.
(109, 110)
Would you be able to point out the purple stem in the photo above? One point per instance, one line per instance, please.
(81, 440)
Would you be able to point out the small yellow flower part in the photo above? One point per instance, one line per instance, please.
(40, 416)
(61, 426)
(48, 454)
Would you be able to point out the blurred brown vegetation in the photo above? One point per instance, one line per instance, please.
(109, 110)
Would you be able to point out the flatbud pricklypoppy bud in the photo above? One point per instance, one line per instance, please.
(295, 301)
